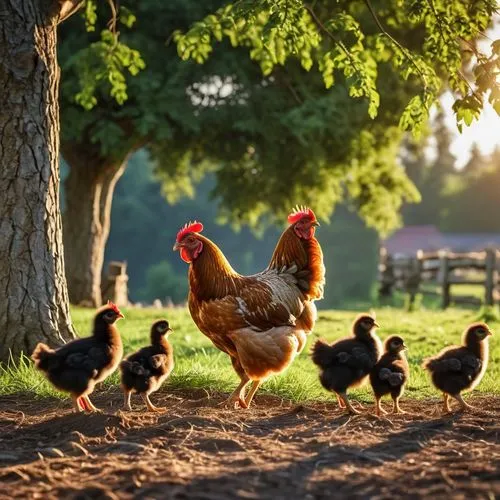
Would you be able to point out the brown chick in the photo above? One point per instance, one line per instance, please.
(347, 362)
(79, 365)
(460, 368)
(390, 374)
(144, 371)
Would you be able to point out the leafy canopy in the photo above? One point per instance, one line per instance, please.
(273, 131)
(339, 38)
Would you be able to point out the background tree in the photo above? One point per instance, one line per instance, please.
(34, 300)
(223, 116)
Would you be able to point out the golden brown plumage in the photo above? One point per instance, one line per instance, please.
(460, 368)
(260, 321)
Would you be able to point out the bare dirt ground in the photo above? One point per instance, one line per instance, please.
(276, 450)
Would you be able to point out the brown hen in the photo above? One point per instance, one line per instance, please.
(260, 321)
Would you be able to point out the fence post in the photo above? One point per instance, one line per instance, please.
(414, 278)
(386, 273)
(491, 276)
(444, 271)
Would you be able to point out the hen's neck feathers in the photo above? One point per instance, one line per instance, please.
(306, 254)
(210, 274)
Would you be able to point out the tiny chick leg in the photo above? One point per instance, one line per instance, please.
(151, 406)
(463, 404)
(340, 402)
(89, 405)
(378, 407)
(76, 404)
(252, 391)
(126, 401)
(446, 403)
(348, 404)
(396, 408)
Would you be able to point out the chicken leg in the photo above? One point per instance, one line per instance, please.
(463, 404)
(252, 391)
(238, 395)
(378, 408)
(151, 406)
(348, 404)
(76, 404)
(126, 401)
(87, 405)
(446, 403)
(396, 408)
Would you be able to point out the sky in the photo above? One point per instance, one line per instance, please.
(485, 132)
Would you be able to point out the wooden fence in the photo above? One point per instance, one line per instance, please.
(434, 273)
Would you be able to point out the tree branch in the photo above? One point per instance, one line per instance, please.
(404, 50)
(67, 8)
(322, 27)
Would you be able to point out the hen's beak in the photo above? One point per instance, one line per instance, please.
(176, 246)
(120, 315)
(315, 223)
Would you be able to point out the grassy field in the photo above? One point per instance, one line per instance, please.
(200, 365)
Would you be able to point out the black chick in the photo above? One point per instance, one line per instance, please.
(390, 374)
(459, 368)
(347, 362)
(144, 371)
(79, 365)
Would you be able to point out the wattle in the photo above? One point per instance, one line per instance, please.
(185, 256)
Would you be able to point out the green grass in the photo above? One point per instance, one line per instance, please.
(200, 365)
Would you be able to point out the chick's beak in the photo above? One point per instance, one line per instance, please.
(169, 330)
(489, 333)
(376, 325)
(404, 347)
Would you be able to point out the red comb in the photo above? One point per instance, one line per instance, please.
(300, 212)
(190, 227)
(114, 307)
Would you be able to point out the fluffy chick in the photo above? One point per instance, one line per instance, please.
(78, 366)
(460, 368)
(390, 374)
(347, 362)
(144, 371)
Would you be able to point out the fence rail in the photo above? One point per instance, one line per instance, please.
(441, 270)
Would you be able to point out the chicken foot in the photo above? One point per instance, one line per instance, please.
(348, 404)
(464, 405)
(237, 397)
(87, 405)
(151, 406)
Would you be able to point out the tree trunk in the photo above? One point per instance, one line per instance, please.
(33, 293)
(89, 193)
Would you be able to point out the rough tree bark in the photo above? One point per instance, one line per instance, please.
(88, 194)
(33, 293)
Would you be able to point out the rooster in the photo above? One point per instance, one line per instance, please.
(260, 321)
